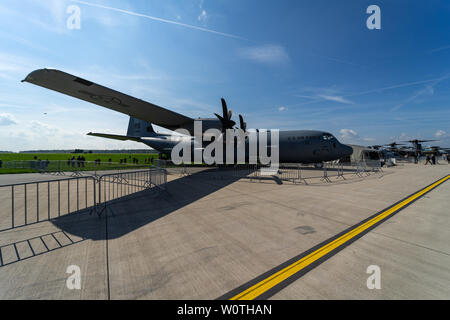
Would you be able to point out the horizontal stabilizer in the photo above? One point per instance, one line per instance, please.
(115, 137)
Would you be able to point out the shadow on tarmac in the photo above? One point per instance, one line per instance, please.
(125, 216)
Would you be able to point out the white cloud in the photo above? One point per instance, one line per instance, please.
(264, 54)
(440, 134)
(37, 135)
(349, 134)
(7, 119)
(203, 16)
(44, 128)
(335, 99)
(12, 63)
(282, 108)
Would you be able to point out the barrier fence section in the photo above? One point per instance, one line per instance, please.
(292, 172)
(33, 202)
(119, 186)
(29, 203)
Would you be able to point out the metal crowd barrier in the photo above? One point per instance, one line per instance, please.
(292, 172)
(121, 186)
(29, 203)
(34, 202)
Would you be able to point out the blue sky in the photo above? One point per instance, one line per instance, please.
(282, 64)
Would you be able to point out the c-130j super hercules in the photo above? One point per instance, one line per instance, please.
(295, 146)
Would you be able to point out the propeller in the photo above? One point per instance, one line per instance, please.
(243, 124)
(419, 141)
(225, 119)
(394, 144)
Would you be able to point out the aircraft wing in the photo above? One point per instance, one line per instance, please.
(114, 136)
(88, 91)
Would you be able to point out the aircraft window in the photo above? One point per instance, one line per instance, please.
(327, 137)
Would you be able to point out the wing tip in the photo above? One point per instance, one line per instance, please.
(35, 73)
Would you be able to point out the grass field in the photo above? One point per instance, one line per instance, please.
(23, 162)
(115, 157)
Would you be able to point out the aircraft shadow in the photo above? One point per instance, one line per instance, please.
(144, 207)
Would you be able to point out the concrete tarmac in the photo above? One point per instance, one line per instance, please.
(205, 237)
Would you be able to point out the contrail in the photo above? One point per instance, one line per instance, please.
(402, 85)
(159, 19)
(408, 84)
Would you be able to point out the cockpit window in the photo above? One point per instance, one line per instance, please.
(327, 136)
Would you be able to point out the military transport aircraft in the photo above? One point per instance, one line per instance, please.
(295, 146)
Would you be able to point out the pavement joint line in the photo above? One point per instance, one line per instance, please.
(108, 281)
(412, 243)
(271, 282)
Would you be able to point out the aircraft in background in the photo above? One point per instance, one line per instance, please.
(400, 150)
(295, 146)
(417, 146)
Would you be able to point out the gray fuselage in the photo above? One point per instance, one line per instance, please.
(295, 146)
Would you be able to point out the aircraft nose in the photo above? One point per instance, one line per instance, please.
(347, 150)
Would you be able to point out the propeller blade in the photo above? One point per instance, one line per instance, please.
(418, 141)
(224, 108)
(243, 124)
(220, 117)
(226, 121)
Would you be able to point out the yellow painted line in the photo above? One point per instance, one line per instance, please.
(280, 276)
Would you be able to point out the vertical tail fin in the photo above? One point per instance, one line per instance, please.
(140, 128)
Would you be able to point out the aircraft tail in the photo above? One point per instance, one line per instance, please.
(140, 128)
